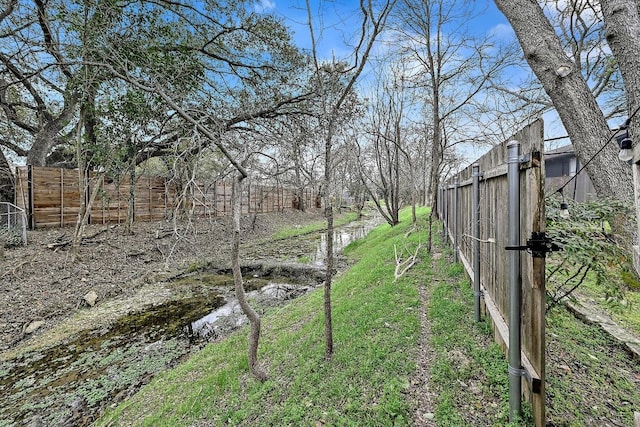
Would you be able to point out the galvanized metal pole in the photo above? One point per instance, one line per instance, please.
(515, 363)
(445, 213)
(475, 174)
(456, 185)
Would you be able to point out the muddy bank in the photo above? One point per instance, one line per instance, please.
(43, 285)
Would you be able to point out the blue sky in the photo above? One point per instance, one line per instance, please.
(333, 16)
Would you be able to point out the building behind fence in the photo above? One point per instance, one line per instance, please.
(477, 215)
(51, 197)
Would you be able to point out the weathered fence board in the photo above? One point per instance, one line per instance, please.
(457, 213)
(51, 197)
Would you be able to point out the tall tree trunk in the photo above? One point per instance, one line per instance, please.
(396, 175)
(7, 183)
(82, 186)
(571, 97)
(622, 24)
(328, 325)
(131, 205)
(436, 154)
(299, 185)
(254, 318)
(414, 217)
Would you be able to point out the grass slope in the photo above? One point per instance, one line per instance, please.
(376, 329)
(591, 381)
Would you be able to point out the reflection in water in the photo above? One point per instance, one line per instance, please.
(341, 238)
(205, 327)
(230, 316)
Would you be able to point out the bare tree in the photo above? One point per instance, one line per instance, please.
(294, 139)
(380, 162)
(436, 45)
(373, 23)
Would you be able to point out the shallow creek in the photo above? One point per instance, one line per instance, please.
(71, 380)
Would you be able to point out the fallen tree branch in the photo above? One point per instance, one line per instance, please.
(85, 239)
(402, 266)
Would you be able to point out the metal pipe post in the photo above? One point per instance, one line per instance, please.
(515, 363)
(475, 174)
(456, 184)
(445, 213)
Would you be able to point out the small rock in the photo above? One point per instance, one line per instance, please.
(565, 368)
(91, 297)
(429, 416)
(33, 326)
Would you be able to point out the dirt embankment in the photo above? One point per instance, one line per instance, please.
(40, 284)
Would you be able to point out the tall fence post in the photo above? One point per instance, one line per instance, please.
(456, 185)
(445, 213)
(515, 362)
(475, 174)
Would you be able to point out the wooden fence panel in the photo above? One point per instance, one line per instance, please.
(494, 279)
(111, 204)
(51, 197)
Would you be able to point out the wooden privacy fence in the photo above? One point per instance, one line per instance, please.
(51, 197)
(488, 223)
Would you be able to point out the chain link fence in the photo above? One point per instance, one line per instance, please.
(13, 225)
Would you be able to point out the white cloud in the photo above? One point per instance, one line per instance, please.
(502, 32)
(263, 6)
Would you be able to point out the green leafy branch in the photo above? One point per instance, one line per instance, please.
(595, 242)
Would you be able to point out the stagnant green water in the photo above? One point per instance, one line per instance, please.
(58, 386)
(70, 383)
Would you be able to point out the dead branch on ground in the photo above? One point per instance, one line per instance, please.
(402, 266)
(84, 240)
